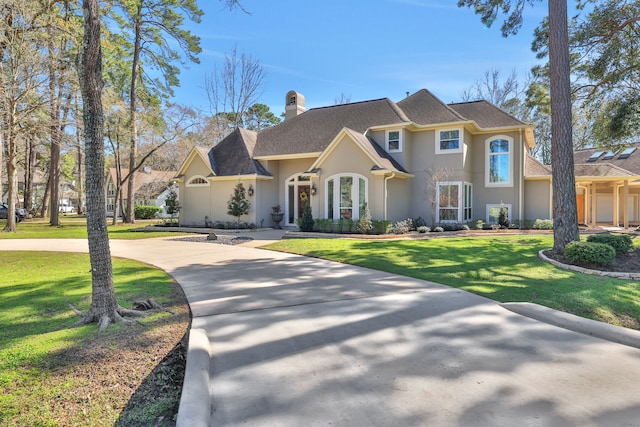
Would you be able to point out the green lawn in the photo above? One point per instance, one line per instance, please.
(75, 227)
(503, 268)
(47, 366)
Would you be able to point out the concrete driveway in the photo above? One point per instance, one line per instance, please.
(298, 341)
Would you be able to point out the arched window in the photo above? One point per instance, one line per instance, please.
(198, 181)
(346, 195)
(499, 162)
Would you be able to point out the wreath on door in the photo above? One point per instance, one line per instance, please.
(304, 197)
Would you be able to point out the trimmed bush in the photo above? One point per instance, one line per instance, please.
(622, 243)
(423, 229)
(381, 226)
(306, 222)
(543, 224)
(146, 211)
(597, 253)
(438, 230)
(419, 222)
(403, 227)
(364, 224)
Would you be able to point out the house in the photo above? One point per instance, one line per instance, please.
(151, 188)
(608, 185)
(418, 157)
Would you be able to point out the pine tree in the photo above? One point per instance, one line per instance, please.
(307, 222)
(238, 204)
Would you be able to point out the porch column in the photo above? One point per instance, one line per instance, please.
(625, 201)
(594, 216)
(616, 205)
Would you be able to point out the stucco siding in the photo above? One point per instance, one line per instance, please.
(537, 200)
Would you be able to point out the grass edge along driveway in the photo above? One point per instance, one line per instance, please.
(52, 374)
(502, 268)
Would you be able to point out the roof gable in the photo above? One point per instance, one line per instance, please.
(312, 131)
(424, 108)
(380, 158)
(233, 155)
(199, 152)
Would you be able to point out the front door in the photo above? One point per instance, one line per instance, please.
(298, 196)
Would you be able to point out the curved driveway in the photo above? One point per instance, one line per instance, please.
(300, 341)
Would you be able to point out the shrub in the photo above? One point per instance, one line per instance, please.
(364, 224)
(543, 224)
(419, 222)
(423, 229)
(381, 226)
(622, 243)
(503, 217)
(438, 230)
(465, 227)
(146, 211)
(478, 224)
(306, 223)
(403, 227)
(597, 253)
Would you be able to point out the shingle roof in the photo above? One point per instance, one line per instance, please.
(424, 108)
(534, 168)
(485, 114)
(630, 164)
(313, 130)
(233, 155)
(604, 170)
(144, 177)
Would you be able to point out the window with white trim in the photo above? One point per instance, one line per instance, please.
(449, 141)
(393, 141)
(499, 162)
(454, 202)
(198, 181)
(346, 195)
(493, 212)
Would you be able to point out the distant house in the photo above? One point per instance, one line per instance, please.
(608, 185)
(151, 188)
(417, 157)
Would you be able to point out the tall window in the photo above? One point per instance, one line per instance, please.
(448, 202)
(394, 141)
(499, 162)
(449, 141)
(346, 196)
(454, 202)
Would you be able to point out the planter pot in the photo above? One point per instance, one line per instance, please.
(277, 218)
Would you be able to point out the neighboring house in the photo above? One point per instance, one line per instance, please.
(151, 188)
(608, 185)
(417, 157)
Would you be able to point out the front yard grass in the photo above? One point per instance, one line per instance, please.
(53, 374)
(503, 268)
(75, 227)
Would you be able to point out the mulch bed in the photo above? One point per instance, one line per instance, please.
(624, 263)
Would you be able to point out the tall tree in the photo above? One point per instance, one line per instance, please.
(156, 26)
(608, 69)
(234, 88)
(21, 84)
(104, 307)
(259, 117)
(565, 227)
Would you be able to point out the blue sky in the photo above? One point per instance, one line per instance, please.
(364, 49)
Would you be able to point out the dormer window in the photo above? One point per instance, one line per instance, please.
(394, 141)
(449, 141)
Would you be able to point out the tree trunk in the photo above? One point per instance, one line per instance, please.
(565, 215)
(12, 169)
(133, 151)
(29, 172)
(103, 300)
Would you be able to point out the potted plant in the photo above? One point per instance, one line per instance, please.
(276, 216)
